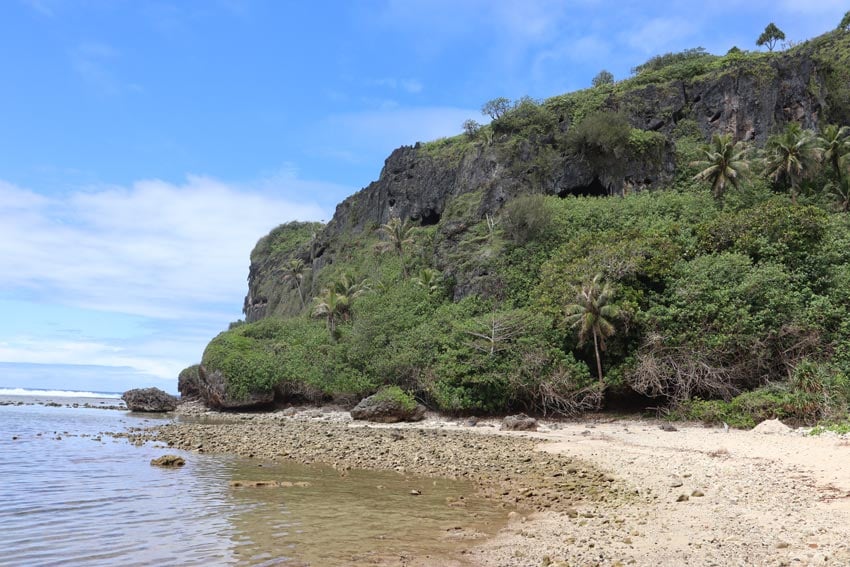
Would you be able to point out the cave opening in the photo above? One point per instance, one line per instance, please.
(430, 217)
(594, 189)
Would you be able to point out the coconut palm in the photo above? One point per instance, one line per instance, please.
(835, 144)
(724, 164)
(348, 286)
(592, 314)
(399, 235)
(294, 272)
(429, 279)
(333, 307)
(792, 156)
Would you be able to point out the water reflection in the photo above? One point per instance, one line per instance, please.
(74, 496)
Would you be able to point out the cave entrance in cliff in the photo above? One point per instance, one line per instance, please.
(594, 189)
(429, 218)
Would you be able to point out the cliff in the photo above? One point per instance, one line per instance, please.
(529, 150)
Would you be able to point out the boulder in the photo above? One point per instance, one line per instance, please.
(168, 461)
(212, 385)
(519, 422)
(384, 408)
(772, 427)
(149, 399)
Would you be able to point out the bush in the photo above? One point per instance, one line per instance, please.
(397, 396)
(602, 140)
(527, 218)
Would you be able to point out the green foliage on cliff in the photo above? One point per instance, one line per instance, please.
(734, 311)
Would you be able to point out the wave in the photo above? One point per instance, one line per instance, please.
(56, 393)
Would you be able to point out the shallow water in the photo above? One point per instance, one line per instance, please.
(74, 496)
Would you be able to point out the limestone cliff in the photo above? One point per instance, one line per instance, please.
(747, 95)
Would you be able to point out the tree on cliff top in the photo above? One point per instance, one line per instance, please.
(496, 108)
(603, 78)
(845, 22)
(770, 36)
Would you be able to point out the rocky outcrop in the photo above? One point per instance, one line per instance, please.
(384, 409)
(212, 386)
(519, 422)
(168, 461)
(188, 383)
(149, 400)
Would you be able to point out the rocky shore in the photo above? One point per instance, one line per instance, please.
(506, 469)
(601, 493)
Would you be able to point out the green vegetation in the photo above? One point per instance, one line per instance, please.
(723, 297)
(724, 164)
(770, 36)
(397, 396)
(603, 78)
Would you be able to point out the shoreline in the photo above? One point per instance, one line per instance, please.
(606, 493)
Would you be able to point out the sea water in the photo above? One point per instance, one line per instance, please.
(70, 494)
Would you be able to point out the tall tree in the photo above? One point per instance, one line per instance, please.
(792, 156)
(496, 108)
(834, 142)
(592, 314)
(294, 272)
(724, 163)
(333, 307)
(399, 235)
(770, 36)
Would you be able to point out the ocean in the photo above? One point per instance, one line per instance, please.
(73, 495)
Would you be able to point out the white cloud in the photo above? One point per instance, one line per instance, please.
(154, 249)
(31, 350)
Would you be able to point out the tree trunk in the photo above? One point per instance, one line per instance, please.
(598, 358)
(300, 293)
(403, 266)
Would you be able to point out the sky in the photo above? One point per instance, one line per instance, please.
(145, 146)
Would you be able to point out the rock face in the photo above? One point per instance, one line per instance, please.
(383, 410)
(519, 422)
(212, 387)
(188, 383)
(750, 100)
(149, 400)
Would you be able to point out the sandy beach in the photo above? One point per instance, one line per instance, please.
(597, 492)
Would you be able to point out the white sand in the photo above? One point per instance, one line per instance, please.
(769, 499)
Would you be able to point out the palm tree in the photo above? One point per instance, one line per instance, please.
(724, 163)
(294, 272)
(835, 144)
(840, 189)
(429, 279)
(592, 314)
(399, 234)
(348, 286)
(792, 157)
(333, 307)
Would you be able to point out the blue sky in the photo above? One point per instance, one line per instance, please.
(146, 145)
